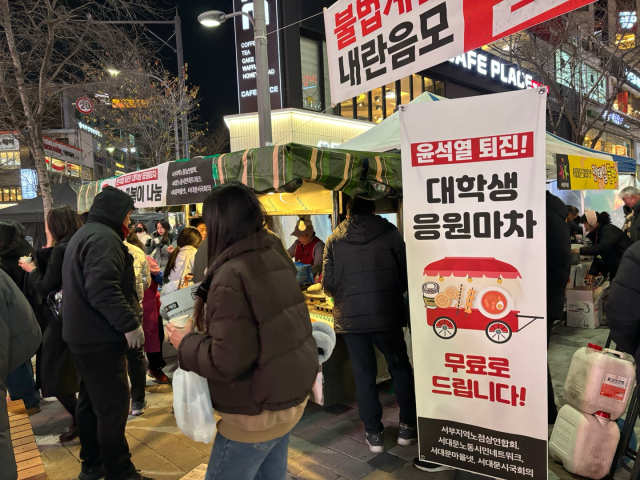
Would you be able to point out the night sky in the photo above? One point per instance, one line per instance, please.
(210, 56)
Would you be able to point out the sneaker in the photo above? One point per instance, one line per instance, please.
(430, 467)
(137, 408)
(93, 473)
(375, 442)
(407, 435)
(71, 433)
(159, 376)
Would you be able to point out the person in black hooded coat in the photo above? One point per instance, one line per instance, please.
(365, 271)
(102, 318)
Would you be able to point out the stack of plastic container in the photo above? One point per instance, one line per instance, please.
(598, 388)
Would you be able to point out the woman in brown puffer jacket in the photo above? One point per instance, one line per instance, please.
(257, 351)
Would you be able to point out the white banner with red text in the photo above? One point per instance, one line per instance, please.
(474, 208)
(371, 43)
(147, 188)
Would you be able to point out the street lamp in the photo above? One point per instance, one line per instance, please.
(214, 18)
(113, 72)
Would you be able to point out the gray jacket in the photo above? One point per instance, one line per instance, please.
(20, 335)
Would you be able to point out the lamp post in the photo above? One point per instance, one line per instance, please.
(114, 72)
(214, 18)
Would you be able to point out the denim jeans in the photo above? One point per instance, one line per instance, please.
(248, 461)
(22, 386)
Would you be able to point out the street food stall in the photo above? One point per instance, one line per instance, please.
(290, 181)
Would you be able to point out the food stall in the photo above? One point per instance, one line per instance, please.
(290, 180)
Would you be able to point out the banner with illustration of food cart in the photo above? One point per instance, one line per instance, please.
(586, 173)
(474, 206)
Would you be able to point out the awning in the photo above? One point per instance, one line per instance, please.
(471, 267)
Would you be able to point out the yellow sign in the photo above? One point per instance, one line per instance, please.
(129, 103)
(310, 199)
(585, 173)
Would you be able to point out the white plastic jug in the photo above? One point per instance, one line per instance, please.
(600, 380)
(585, 444)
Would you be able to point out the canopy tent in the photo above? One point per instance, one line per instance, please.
(385, 137)
(30, 212)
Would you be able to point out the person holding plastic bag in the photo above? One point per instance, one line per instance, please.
(254, 343)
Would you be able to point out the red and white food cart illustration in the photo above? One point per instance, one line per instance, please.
(474, 294)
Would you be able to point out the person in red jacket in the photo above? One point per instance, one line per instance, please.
(308, 248)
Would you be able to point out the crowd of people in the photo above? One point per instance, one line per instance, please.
(88, 307)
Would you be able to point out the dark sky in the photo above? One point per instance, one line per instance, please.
(210, 56)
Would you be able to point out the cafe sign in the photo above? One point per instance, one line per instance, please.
(585, 173)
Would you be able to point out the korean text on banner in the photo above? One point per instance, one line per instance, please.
(585, 173)
(148, 188)
(474, 204)
(374, 42)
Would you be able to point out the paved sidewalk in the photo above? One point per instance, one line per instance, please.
(328, 444)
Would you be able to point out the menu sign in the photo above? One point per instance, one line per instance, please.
(474, 204)
(585, 173)
(246, 56)
(191, 181)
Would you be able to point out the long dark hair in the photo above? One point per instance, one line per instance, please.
(144, 227)
(188, 236)
(63, 222)
(231, 214)
(11, 234)
(167, 228)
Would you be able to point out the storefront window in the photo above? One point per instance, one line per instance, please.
(609, 143)
(327, 84)
(390, 98)
(311, 97)
(629, 103)
(346, 109)
(11, 194)
(405, 90)
(362, 107)
(73, 170)
(9, 159)
(418, 85)
(87, 174)
(376, 102)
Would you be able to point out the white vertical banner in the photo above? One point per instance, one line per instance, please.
(474, 205)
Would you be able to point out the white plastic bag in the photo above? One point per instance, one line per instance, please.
(192, 406)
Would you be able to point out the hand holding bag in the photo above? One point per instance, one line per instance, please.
(192, 406)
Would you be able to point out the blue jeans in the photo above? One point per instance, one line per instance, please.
(21, 385)
(248, 461)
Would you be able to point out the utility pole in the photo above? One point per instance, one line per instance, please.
(180, 55)
(178, 50)
(262, 74)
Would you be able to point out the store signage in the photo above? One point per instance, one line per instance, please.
(620, 150)
(633, 79)
(627, 20)
(84, 105)
(8, 142)
(372, 43)
(62, 151)
(474, 205)
(491, 67)
(613, 118)
(91, 130)
(246, 56)
(129, 103)
(147, 188)
(585, 173)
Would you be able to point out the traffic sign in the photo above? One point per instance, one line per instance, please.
(84, 105)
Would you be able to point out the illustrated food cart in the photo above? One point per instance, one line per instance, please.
(462, 293)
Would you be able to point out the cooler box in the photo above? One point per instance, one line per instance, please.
(584, 306)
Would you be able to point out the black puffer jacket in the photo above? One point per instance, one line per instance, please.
(623, 314)
(100, 303)
(558, 243)
(365, 271)
(609, 245)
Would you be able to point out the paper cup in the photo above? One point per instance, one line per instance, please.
(157, 240)
(181, 321)
(26, 259)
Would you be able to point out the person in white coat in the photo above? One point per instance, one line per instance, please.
(180, 262)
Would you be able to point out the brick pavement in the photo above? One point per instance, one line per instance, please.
(328, 444)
